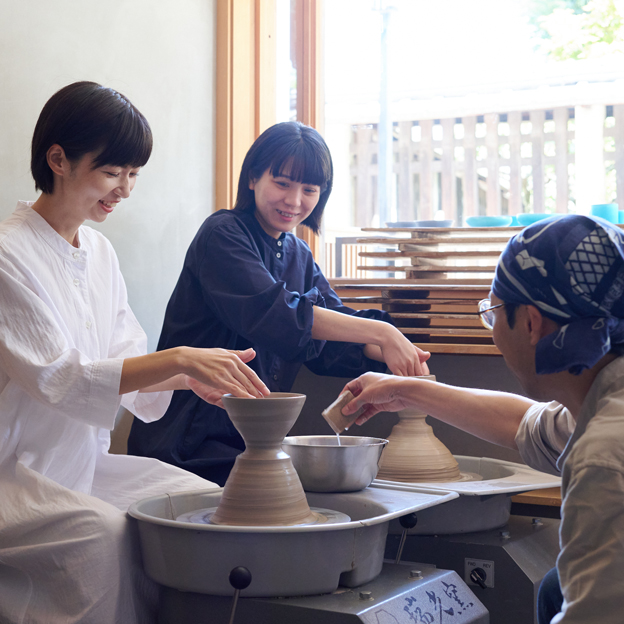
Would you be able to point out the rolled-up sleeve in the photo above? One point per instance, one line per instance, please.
(543, 434)
(250, 301)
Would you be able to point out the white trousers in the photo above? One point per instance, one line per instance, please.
(69, 557)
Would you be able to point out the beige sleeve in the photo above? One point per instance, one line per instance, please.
(543, 434)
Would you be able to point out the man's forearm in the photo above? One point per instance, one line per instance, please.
(492, 416)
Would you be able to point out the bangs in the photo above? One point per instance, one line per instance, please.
(304, 163)
(130, 143)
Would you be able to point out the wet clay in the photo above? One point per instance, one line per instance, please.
(414, 454)
(263, 488)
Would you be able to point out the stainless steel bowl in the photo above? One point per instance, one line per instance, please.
(323, 466)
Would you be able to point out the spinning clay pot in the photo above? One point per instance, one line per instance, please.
(263, 488)
(414, 453)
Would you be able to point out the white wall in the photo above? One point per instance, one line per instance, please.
(160, 54)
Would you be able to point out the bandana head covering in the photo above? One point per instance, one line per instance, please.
(572, 270)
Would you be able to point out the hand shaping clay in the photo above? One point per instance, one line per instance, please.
(334, 416)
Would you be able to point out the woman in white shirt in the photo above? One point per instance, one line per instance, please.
(72, 352)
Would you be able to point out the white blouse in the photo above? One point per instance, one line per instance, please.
(65, 328)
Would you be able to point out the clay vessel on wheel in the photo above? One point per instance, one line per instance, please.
(263, 488)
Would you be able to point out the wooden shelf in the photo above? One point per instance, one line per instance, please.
(437, 268)
(435, 303)
(549, 496)
(460, 349)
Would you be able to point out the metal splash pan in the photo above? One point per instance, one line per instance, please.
(283, 561)
(484, 500)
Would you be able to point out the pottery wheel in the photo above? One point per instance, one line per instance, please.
(470, 476)
(321, 516)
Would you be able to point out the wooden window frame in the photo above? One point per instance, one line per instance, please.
(245, 85)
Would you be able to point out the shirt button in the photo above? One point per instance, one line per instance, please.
(76, 255)
(88, 324)
(279, 243)
(278, 254)
(76, 282)
(275, 377)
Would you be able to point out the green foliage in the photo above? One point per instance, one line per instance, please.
(538, 9)
(580, 30)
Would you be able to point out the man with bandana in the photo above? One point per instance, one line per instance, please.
(557, 314)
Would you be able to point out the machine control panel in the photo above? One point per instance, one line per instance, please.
(479, 572)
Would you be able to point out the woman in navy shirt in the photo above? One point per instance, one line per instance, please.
(247, 281)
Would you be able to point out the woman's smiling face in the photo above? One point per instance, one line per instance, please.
(281, 203)
(96, 192)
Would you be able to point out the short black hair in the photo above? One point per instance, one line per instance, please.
(294, 147)
(86, 117)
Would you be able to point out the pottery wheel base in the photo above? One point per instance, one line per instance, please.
(322, 516)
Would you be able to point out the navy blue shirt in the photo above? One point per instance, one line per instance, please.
(242, 288)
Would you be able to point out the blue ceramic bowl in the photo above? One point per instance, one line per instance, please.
(487, 221)
(528, 218)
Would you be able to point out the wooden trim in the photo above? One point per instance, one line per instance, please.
(246, 65)
(549, 496)
(308, 56)
(235, 82)
(265, 65)
(245, 86)
(308, 51)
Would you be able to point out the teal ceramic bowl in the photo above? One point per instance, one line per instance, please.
(488, 221)
(528, 218)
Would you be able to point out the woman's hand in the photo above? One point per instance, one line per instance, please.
(207, 393)
(215, 372)
(401, 356)
(375, 392)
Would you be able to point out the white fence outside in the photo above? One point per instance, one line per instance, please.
(559, 160)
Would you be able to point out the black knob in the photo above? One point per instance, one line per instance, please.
(478, 576)
(240, 578)
(409, 521)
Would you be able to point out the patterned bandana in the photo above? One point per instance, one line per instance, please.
(572, 269)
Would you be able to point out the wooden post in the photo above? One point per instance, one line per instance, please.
(561, 158)
(265, 65)
(537, 159)
(425, 156)
(589, 156)
(405, 208)
(309, 83)
(471, 187)
(363, 195)
(493, 203)
(235, 130)
(515, 163)
(245, 86)
(449, 187)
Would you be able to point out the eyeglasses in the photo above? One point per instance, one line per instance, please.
(486, 314)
